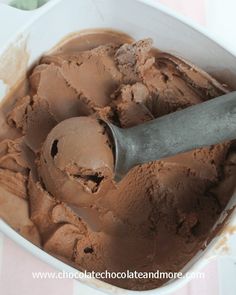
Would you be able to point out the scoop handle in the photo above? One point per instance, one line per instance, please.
(205, 124)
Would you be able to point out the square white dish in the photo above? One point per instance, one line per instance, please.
(32, 33)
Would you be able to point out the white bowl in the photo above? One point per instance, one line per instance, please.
(28, 35)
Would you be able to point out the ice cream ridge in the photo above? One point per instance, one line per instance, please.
(56, 160)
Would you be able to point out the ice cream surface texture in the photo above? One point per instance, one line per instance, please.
(56, 179)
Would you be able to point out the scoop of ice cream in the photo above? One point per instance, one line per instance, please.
(76, 160)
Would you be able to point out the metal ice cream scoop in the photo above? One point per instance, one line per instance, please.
(205, 124)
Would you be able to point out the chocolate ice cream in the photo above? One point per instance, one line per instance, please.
(76, 160)
(58, 192)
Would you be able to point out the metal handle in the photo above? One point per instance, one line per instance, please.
(201, 125)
